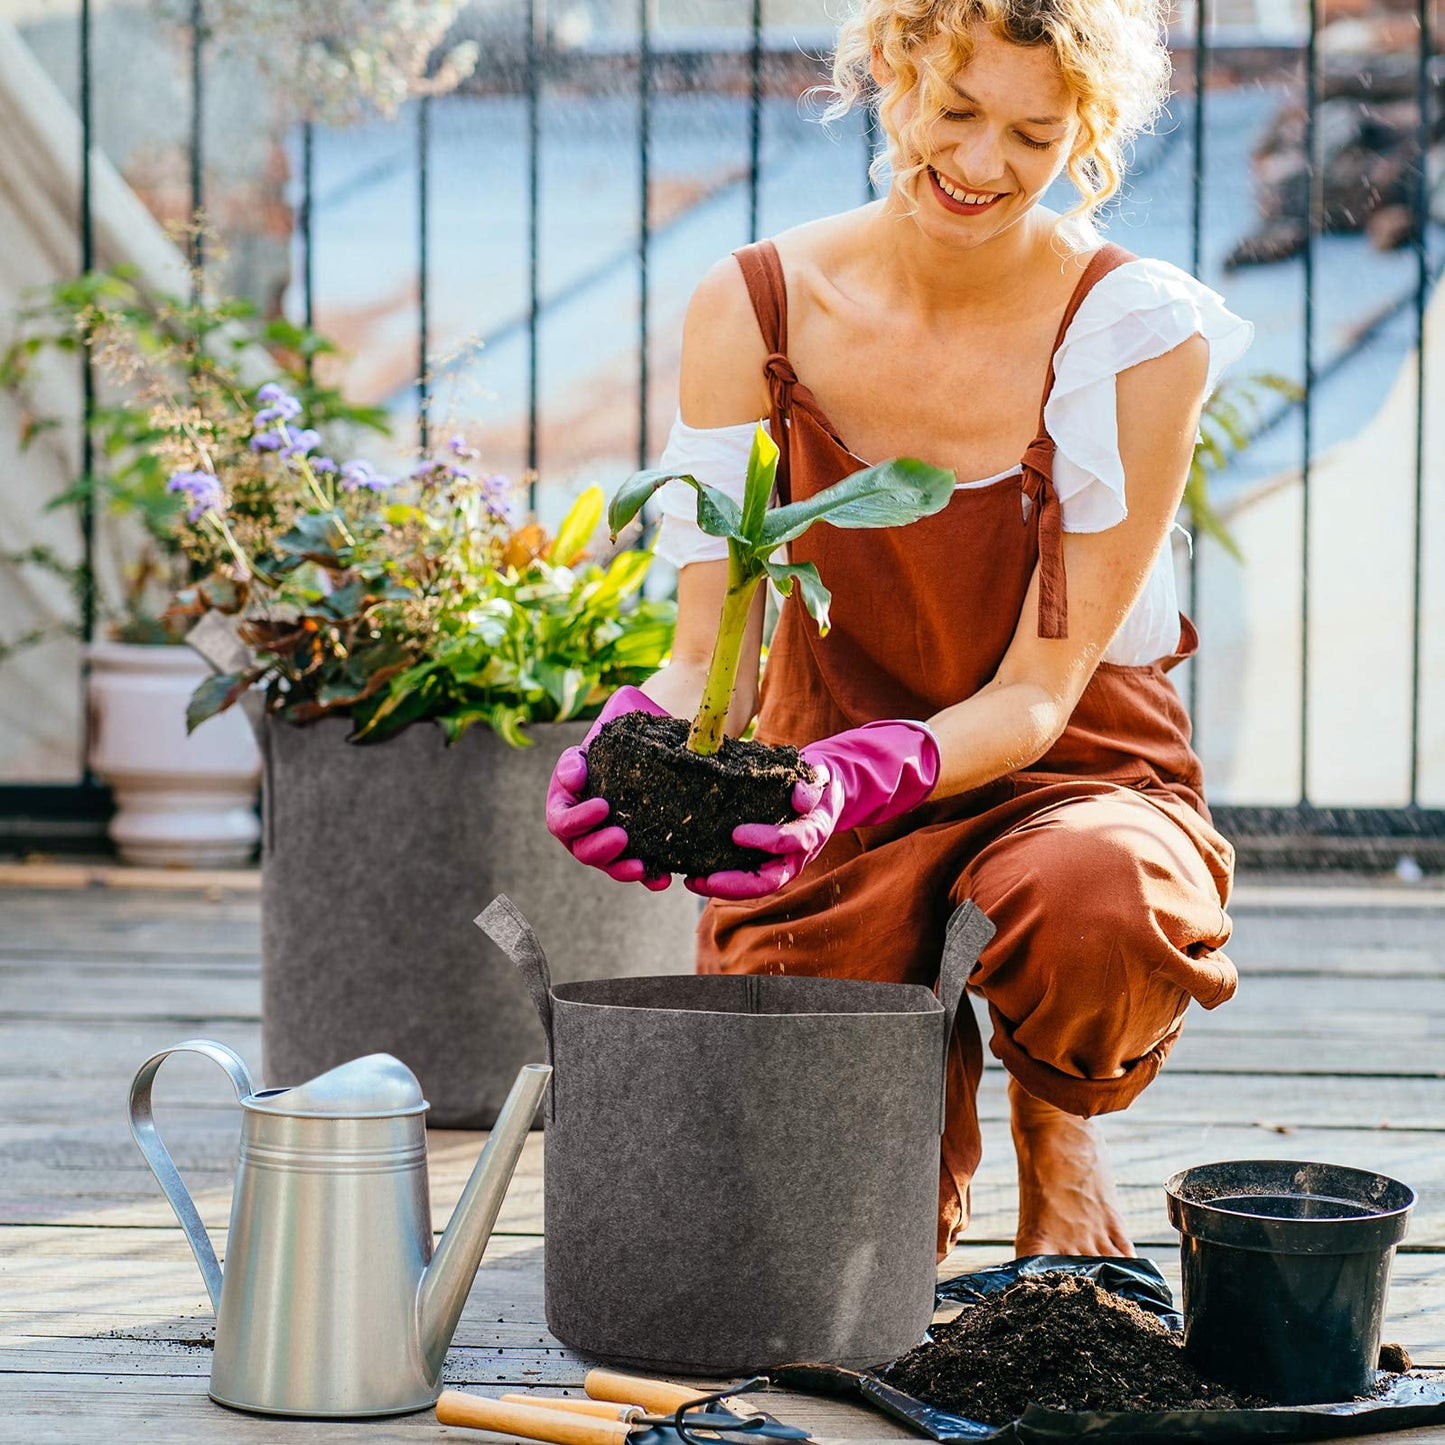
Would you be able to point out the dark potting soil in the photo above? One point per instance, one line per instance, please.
(1057, 1340)
(679, 808)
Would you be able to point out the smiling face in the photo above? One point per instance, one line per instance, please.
(975, 146)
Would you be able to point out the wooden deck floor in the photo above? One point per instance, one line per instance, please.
(1334, 1049)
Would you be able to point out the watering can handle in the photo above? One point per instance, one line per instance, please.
(503, 923)
(969, 931)
(143, 1127)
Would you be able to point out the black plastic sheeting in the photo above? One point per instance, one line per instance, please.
(1408, 1402)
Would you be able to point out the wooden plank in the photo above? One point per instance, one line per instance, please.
(1177, 1095)
(39, 1049)
(84, 1286)
(69, 877)
(1358, 1007)
(1268, 893)
(90, 1171)
(106, 1053)
(1283, 1007)
(116, 925)
(93, 1174)
(94, 991)
(65, 1410)
(1278, 1103)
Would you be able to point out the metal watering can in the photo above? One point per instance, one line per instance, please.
(332, 1303)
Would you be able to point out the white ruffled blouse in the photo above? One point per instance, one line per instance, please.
(1136, 312)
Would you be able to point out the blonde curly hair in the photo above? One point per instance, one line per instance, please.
(1111, 55)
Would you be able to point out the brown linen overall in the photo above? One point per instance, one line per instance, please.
(1098, 864)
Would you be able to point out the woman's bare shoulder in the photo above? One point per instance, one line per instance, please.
(723, 353)
(724, 350)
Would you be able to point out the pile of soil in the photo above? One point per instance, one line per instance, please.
(679, 809)
(1058, 1340)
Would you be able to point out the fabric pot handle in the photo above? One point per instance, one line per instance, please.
(968, 933)
(503, 923)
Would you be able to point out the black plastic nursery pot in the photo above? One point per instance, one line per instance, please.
(1285, 1271)
(742, 1170)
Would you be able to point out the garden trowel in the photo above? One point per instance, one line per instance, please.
(621, 1410)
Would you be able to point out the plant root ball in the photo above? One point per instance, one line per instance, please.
(679, 808)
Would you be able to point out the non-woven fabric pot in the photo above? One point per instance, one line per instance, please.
(742, 1170)
(373, 858)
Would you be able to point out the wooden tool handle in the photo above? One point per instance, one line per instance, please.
(656, 1396)
(603, 1409)
(531, 1422)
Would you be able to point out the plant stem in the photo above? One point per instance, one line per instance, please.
(706, 735)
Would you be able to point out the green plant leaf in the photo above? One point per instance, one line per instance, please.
(316, 536)
(891, 494)
(758, 489)
(816, 597)
(577, 527)
(507, 722)
(624, 575)
(215, 695)
(717, 514)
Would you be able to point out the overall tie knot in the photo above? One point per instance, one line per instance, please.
(1039, 457)
(781, 378)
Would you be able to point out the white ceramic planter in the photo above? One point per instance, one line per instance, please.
(181, 801)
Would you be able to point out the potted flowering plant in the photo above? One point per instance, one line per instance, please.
(418, 660)
(180, 800)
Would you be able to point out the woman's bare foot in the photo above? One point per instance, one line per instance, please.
(1067, 1203)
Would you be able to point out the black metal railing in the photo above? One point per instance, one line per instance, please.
(1301, 832)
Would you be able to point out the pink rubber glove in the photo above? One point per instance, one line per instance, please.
(577, 823)
(864, 776)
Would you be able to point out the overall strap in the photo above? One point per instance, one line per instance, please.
(763, 273)
(1038, 462)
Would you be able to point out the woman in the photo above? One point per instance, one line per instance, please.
(989, 717)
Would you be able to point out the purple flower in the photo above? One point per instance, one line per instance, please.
(267, 441)
(458, 447)
(300, 441)
(356, 475)
(203, 490)
(323, 465)
(433, 472)
(280, 405)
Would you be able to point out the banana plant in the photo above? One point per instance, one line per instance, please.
(891, 494)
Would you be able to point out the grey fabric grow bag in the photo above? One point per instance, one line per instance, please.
(742, 1170)
(374, 856)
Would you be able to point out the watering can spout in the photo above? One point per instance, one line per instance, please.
(449, 1276)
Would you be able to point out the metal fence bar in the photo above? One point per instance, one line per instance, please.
(308, 221)
(1196, 263)
(198, 240)
(87, 375)
(755, 128)
(423, 381)
(534, 309)
(1312, 218)
(1422, 288)
(644, 224)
